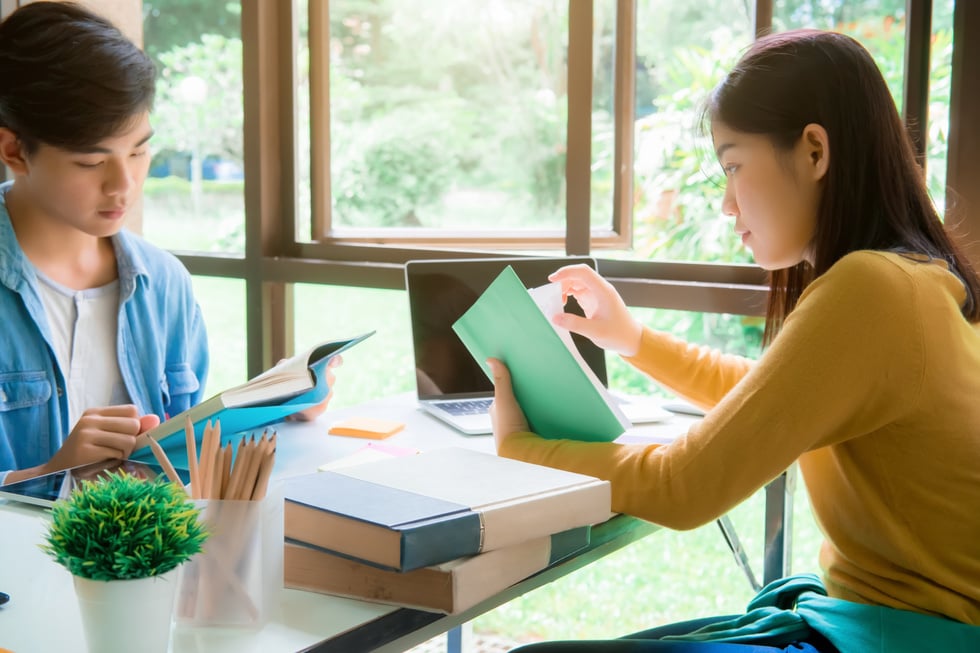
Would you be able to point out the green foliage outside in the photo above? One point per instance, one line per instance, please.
(482, 117)
(199, 105)
(170, 24)
(122, 527)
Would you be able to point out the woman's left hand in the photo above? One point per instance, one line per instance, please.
(505, 413)
(313, 412)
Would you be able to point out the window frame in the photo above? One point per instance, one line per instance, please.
(274, 259)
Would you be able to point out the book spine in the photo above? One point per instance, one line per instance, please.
(568, 542)
(440, 541)
(579, 505)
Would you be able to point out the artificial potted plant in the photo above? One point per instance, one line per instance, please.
(122, 538)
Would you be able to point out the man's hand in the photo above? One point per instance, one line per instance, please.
(101, 434)
(505, 413)
(313, 412)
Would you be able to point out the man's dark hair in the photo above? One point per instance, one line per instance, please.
(69, 78)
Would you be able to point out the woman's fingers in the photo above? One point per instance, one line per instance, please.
(505, 413)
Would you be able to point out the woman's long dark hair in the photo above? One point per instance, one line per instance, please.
(874, 194)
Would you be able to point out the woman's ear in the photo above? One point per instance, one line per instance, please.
(12, 152)
(816, 148)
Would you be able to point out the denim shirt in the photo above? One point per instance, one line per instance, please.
(161, 345)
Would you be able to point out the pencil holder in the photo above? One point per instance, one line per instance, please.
(237, 577)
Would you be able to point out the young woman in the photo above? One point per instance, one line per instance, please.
(870, 379)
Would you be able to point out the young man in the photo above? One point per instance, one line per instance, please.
(102, 336)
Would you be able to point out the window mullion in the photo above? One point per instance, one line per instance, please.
(624, 109)
(319, 52)
(915, 100)
(763, 17)
(963, 194)
(578, 162)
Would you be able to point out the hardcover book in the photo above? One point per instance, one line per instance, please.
(450, 587)
(416, 511)
(559, 394)
(295, 384)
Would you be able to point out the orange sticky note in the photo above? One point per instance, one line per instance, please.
(366, 427)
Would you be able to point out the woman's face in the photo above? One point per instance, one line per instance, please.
(773, 194)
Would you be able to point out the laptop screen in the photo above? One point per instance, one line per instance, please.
(440, 291)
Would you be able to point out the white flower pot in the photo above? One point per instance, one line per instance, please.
(127, 615)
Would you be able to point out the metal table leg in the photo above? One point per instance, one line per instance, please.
(777, 556)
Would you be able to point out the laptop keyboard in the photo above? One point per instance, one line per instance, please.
(466, 407)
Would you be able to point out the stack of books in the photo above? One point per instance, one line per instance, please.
(440, 531)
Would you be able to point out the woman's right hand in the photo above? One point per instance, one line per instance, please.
(607, 322)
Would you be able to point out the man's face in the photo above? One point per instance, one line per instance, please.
(90, 191)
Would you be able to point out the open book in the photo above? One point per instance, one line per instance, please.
(558, 392)
(294, 384)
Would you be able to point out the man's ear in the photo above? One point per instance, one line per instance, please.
(12, 152)
(816, 147)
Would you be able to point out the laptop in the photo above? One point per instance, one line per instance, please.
(450, 384)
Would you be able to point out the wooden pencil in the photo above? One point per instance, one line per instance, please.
(161, 457)
(265, 470)
(226, 455)
(254, 460)
(205, 464)
(216, 463)
(237, 469)
(214, 474)
(191, 443)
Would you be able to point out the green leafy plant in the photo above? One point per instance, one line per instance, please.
(123, 527)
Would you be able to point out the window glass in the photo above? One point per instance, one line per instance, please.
(878, 24)
(448, 114)
(941, 69)
(380, 366)
(603, 114)
(194, 196)
(683, 51)
(222, 303)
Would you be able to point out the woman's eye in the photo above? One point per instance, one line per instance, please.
(730, 169)
(88, 164)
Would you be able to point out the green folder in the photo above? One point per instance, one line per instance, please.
(559, 397)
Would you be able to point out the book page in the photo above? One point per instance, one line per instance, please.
(294, 366)
(548, 298)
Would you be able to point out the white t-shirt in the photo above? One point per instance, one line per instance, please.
(83, 327)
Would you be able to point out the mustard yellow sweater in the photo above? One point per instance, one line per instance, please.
(873, 385)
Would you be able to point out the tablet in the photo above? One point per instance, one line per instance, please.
(46, 489)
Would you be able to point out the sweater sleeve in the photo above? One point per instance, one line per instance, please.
(847, 361)
(703, 375)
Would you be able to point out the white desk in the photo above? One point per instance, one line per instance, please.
(43, 615)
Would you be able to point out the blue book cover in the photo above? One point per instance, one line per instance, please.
(416, 511)
(295, 384)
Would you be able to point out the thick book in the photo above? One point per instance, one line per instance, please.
(294, 384)
(451, 587)
(560, 395)
(416, 511)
